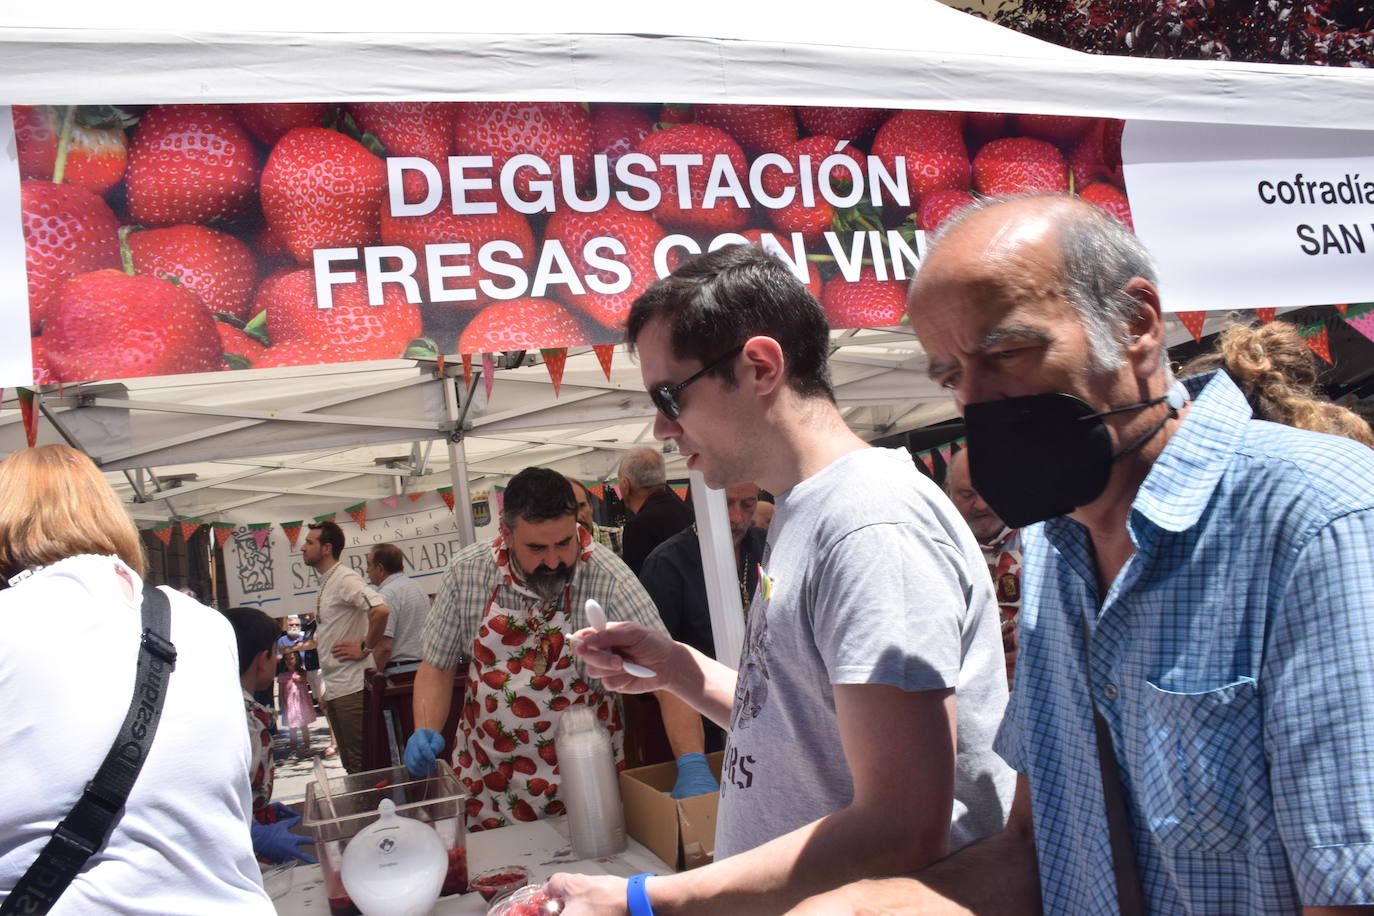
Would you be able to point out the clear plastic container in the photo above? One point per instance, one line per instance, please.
(590, 788)
(527, 901)
(496, 883)
(437, 800)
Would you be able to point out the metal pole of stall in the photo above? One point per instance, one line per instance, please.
(718, 563)
(458, 464)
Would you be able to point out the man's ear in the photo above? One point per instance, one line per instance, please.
(766, 365)
(1146, 328)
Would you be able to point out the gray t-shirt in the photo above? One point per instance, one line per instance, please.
(409, 605)
(875, 579)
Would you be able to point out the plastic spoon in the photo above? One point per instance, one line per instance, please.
(596, 616)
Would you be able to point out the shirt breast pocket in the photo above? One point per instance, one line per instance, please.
(1203, 770)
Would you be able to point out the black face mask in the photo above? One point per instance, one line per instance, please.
(1044, 455)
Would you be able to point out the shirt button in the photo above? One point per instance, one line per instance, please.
(1109, 691)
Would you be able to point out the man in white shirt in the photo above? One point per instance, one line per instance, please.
(352, 617)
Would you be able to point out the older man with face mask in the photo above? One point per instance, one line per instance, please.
(509, 606)
(1194, 702)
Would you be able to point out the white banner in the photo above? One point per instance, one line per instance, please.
(1253, 217)
(273, 577)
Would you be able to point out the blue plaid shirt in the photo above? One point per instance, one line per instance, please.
(1233, 660)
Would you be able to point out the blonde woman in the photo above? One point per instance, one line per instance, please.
(73, 564)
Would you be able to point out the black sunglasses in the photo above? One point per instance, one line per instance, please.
(665, 398)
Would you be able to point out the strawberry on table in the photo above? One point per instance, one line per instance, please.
(640, 235)
(521, 324)
(269, 121)
(190, 164)
(548, 130)
(757, 128)
(725, 215)
(866, 303)
(218, 267)
(67, 231)
(932, 143)
(1019, 165)
(321, 189)
(109, 325)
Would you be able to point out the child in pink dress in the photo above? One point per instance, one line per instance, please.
(295, 701)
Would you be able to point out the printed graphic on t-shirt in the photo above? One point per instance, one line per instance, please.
(751, 686)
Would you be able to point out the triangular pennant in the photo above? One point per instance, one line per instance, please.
(944, 451)
(928, 460)
(327, 517)
(500, 500)
(189, 526)
(439, 364)
(447, 494)
(1361, 318)
(390, 501)
(163, 532)
(29, 409)
(414, 496)
(598, 490)
(488, 373)
(615, 488)
(555, 359)
(222, 531)
(1343, 309)
(681, 490)
(1193, 322)
(260, 537)
(1265, 315)
(604, 354)
(1316, 338)
(293, 531)
(359, 514)
(467, 373)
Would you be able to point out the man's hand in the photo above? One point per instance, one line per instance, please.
(422, 749)
(694, 777)
(606, 651)
(277, 844)
(348, 651)
(588, 895)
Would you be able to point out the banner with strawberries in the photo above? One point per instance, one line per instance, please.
(274, 578)
(190, 238)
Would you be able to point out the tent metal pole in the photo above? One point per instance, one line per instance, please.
(458, 465)
(718, 564)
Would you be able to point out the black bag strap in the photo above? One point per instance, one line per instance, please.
(87, 827)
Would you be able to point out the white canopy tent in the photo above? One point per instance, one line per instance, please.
(277, 444)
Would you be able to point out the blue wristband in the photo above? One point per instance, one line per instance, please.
(636, 897)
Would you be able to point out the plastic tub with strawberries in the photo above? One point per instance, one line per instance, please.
(335, 817)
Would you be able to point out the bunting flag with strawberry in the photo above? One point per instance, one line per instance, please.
(598, 489)
(555, 360)
(327, 517)
(615, 488)
(604, 354)
(488, 373)
(261, 531)
(467, 373)
(28, 408)
(1265, 315)
(189, 526)
(447, 494)
(500, 499)
(358, 513)
(163, 533)
(1343, 309)
(292, 531)
(1361, 318)
(945, 451)
(222, 530)
(390, 501)
(1316, 337)
(681, 490)
(414, 496)
(928, 460)
(1193, 322)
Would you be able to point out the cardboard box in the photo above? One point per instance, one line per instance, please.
(681, 832)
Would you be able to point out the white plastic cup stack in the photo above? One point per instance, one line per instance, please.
(589, 788)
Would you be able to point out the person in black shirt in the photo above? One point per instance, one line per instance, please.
(657, 512)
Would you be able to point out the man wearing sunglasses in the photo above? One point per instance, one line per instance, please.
(848, 753)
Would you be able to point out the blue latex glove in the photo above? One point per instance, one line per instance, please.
(694, 777)
(277, 844)
(282, 812)
(421, 750)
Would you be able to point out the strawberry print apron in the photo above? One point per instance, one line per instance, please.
(521, 677)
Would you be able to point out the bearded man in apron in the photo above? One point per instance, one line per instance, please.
(510, 605)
